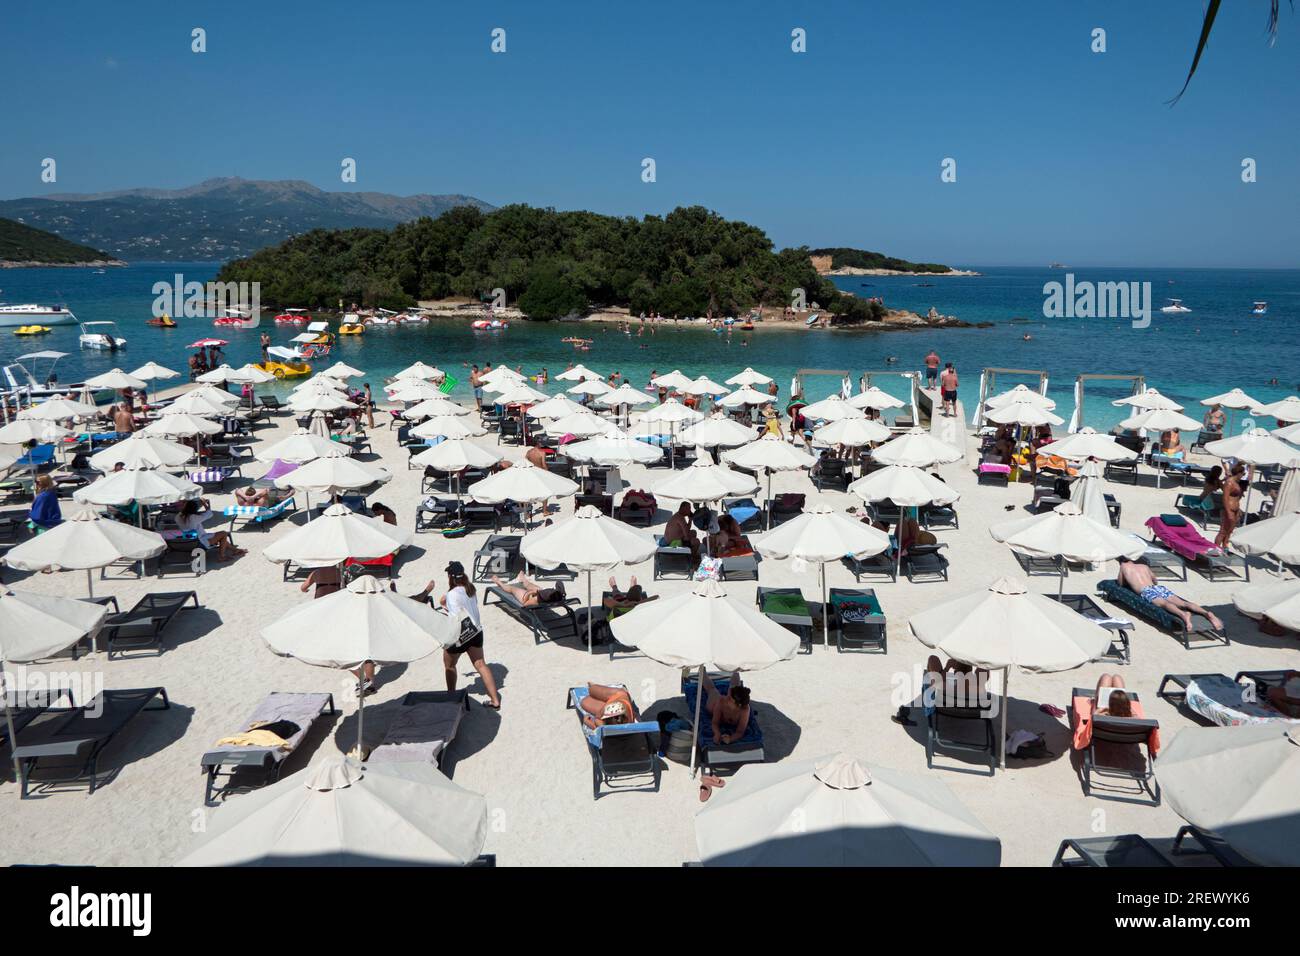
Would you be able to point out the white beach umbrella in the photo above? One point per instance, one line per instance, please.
(332, 476)
(767, 455)
(1255, 446)
(1278, 537)
(1287, 410)
(873, 397)
(1288, 496)
(745, 396)
(202, 402)
(153, 372)
(434, 407)
(1025, 414)
(819, 535)
(319, 401)
(520, 393)
(705, 386)
(852, 432)
(338, 534)
(455, 455)
(830, 410)
(320, 382)
(501, 374)
(836, 811)
(341, 369)
(1240, 784)
(143, 485)
(523, 482)
(85, 542)
(1087, 443)
(705, 481)
(749, 377)
(342, 813)
(1234, 399)
(33, 626)
(670, 412)
(300, 447)
(250, 374)
(413, 390)
(181, 425)
(364, 621)
(578, 373)
(1290, 433)
(612, 449)
(139, 450)
(8, 458)
(580, 425)
(717, 432)
(1279, 601)
(626, 395)
(1020, 395)
(1149, 400)
(1067, 532)
(419, 371)
(115, 379)
(557, 406)
(221, 374)
(589, 541)
(907, 486)
(1088, 495)
(1159, 420)
(24, 430)
(707, 630)
(674, 379)
(593, 386)
(1007, 626)
(916, 447)
(448, 426)
(57, 410)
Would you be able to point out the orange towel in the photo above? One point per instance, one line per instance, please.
(1055, 463)
(1083, 724)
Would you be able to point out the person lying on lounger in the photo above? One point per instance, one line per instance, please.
(252, 497)
(731, 710)
(606, 705)
(1119, 704)
(1138, 578)
(528, 592)
(626, 600)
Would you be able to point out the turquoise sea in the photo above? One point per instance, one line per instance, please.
(1217, 346)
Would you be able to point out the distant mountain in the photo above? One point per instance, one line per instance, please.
(218, 219)
(20, 244)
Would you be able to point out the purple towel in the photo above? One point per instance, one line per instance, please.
(279, 470)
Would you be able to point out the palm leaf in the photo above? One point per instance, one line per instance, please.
(1207, 25)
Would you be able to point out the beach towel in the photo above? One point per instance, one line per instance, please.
(1222, 701)
(1082, 727)
(1183, 540)
(792, 604)
(753, 733)
(856, 608)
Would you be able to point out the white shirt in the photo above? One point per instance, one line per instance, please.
(458, 600)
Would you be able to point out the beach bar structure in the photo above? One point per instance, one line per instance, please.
(1076, 420)
(989, 382)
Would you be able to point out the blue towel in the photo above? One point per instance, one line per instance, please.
(753, 733)
(742, 513)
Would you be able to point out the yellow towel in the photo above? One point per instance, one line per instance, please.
(253, 738)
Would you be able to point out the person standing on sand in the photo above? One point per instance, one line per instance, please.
(460, 598)
(948, 384)
(1234, 487)
(931, 368)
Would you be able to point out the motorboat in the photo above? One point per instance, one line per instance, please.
(489, 325)
(293, 317)
(32, 330)
(101, 336)
(1175, 305)
(288, 363)
(26, 378)
(163, 321)
(18, 315)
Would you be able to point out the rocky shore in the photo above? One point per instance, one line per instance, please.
(92, 264)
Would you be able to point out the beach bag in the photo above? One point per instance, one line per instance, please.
(467, 630)
(674, 737)
(709, 569)
(1032, 749)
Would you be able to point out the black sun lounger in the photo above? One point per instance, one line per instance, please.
(1125, 850)
(32, 706)
(425, 726)
(546, 621)
(68, 743)
(299, 709)
(141, 628)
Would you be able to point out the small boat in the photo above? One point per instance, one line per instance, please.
(1261, 308)
(408, 319)
(293, 317)
(379, 320)
(1175, 305)
(288, 364)
(812, 319)
(31, 330)
(489, 325)
(352, 328)
(101, 336)
(19, 315)
(163, 321)
(18, 383)
(746, 326)
(229, 320)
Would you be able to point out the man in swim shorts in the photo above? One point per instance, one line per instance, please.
(1137, 577)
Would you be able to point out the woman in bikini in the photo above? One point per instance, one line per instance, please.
(607, 705)
(1233, 490)
(527, 591)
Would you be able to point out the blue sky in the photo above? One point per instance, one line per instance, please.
(1062, 154)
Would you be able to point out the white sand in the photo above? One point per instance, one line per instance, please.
(531, 760)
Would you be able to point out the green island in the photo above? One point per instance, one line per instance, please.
(22, 245)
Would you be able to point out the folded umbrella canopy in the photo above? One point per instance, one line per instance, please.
(338, 534)
(705, 481)
(340, 812)
(1006, 626)
(749, 377)
(301, 447)
(362, 622)
(83, 543)
(140, 450)
(1088, 495)
(1239, 783)
(717, 432)
(1279, 601)
(1087, 443)
(916, 447)
(33, 626)
(589, 541)
(819, 535)
(837, 811)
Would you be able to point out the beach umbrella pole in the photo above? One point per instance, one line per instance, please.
(361, 707)
(826, 624)
(9, 723)
(695, 727)
(591, 648)
(769, 499)
(1002, 741)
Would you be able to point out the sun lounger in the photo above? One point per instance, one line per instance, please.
(954, 705)
(257, 515)
(747, 512)
(714, 753)
(1201, 634)
(33, 704)
(1123, 470)
(993, 473)
(1219, 700)
(786, 506)
(858, 620)
(547, 621)
(618, 750)
(40, 458)
(66, 744)
(1206, 844)
(832, 471)
(1196, 550)
(214, 476)
(376, 566)
(424, 727)
(270, 402)
(1120, 650)
(1207, 511)
(1052, 566)
(1125, 850)
(672, 561)
(789, 608)
(185, 550)
(883, 564)
(1135, 732)
(141, 627)
(498, 555)
(924, 561)
(230, 761)
(939, 516)
(739, 567)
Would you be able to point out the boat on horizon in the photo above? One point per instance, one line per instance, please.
(32, 314)
(1175, 305)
